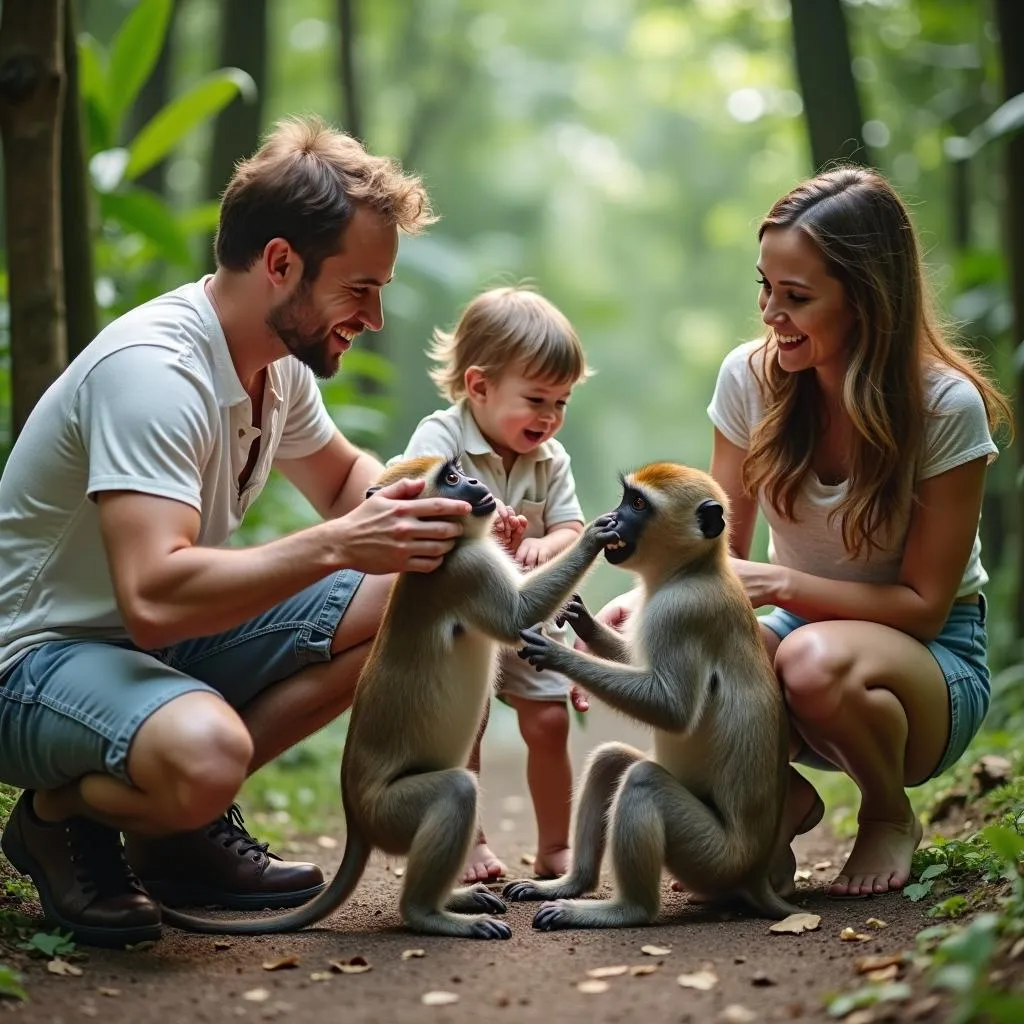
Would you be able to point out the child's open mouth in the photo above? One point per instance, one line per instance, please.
(533, 436)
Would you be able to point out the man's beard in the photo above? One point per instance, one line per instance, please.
(289, 321)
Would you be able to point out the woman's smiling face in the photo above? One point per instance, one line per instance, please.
(804, 305)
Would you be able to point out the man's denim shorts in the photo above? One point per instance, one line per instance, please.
(72, 707)
(960, 649)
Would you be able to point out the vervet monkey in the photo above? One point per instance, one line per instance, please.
(707, 804)
(418, 704)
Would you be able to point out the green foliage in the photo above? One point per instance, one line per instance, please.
(10, 984)
(868, 995)
(49, 944)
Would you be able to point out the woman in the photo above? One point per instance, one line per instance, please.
(863, 436)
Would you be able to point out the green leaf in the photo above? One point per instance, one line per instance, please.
(92, 86)
(49, 944)
(171, 124)
(933, 871)
(1007, 844)
(1008, 119)
(133, 53)
(917, 891)
(10, 983)
(368, 364)
(200, 220)
(146, 213)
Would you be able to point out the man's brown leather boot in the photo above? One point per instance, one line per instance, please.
(84, 882)
(220, 865)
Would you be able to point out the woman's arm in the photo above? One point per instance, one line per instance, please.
(942, 529)
(727, 469)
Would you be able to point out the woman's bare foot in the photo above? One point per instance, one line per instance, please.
(880, 859)
(552, 863)
(483, 865)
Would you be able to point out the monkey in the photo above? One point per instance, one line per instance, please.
(418, 703)
(707, 804)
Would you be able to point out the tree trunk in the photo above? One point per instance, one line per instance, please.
(236, 132)
(821, 48)
(75, 205)
(1010, 19)
(31, 93)
(347, 63)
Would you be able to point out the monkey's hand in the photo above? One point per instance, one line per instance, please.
(578, 616)
(600, 640)
(540, 651)
(601, 532)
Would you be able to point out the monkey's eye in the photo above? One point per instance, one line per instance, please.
(639, 503)
(451, 478)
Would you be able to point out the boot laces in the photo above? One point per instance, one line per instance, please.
(230, 829)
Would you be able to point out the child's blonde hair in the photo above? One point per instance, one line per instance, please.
(504, 328)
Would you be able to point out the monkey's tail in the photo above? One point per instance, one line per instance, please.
(760, 895)
(341, 887)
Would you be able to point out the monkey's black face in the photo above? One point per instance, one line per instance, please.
(453, 483)
(629, 521)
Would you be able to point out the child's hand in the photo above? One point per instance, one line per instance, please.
(532, 552)
(508, 528)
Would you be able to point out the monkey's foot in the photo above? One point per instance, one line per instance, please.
(880, 859)
(527, 889)
(482, 865)
(563, 914)
(473, 899)
(458, 926)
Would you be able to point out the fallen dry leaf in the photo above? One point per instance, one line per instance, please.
(326, 842)
(608, 972)
(438, 998)
(795, 924)
(923, 1008)
(220, 944)
(321, 975)
(282, 963)
(656, 950)
(355, 965)
(63, 968)
(736, 1014)
(802, 875)
(874, 922)
(866, 964)
(890, 973)
(413, 954)
(823, 865)
(593, 986)
(851, 935)
(640, 970)
(865, 1016)
(256, 995)
(527, 858)
(399, 872)
(704, 980)
(111, 992)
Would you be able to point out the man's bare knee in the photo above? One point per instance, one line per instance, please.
(191, 756)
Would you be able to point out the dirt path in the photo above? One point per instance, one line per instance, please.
(532, 977)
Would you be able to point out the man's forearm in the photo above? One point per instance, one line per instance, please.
(199, 590)
(364, 472)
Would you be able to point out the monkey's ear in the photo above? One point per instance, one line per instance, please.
(371, 490)
(711, 517)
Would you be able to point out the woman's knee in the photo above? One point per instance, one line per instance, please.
(816, 672)
(192, 756)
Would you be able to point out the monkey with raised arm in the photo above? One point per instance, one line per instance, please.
(707, 803)
(418, 703)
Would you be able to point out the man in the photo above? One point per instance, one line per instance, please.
(145, 668)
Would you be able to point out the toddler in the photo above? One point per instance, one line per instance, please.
(508, 370)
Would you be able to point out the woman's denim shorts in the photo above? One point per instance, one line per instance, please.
(72, 707)
(960, 649)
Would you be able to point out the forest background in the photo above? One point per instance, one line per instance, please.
(617, 154)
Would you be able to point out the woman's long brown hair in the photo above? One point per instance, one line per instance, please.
(863, 231)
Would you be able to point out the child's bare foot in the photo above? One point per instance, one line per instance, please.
(880, 859)
(552, 863)
(483, 865)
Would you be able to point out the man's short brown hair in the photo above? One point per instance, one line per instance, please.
(302, 185)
